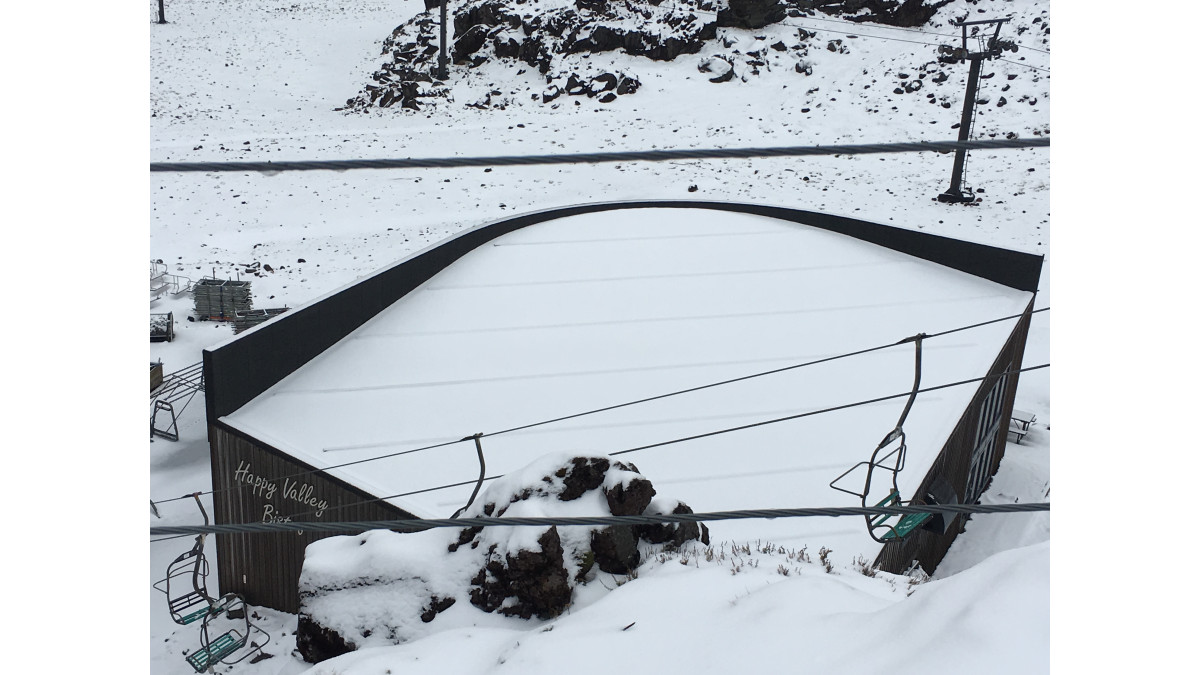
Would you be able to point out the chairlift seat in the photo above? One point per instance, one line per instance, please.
(216, 650)
(907, 523)
(190, 607)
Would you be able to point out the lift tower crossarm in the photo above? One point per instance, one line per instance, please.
(955, 194)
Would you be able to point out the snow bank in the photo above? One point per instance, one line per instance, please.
(700, 617)
(383, 588)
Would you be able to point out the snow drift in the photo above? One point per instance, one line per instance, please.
(382, 588)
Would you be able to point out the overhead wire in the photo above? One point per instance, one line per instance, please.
(417, 525)
(594, 411)
(1018, 63)
(717, 432)
(271, 167)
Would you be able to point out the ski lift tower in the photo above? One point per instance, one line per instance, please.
(985, 48)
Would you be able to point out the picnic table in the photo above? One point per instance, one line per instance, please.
(1019, 425)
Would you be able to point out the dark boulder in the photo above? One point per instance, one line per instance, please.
(627, 85)
(583, 473)
(530, 583)
(906, 13)
(630, 498)
(615, 549)
(470, 42)
(751, 13)
(317, 643)
(673, 533)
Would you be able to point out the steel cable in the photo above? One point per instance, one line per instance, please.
(717, 432)
(413, 525)
(613, 407)
(597, 157)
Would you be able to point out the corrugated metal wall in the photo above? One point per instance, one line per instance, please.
(954, 462)
(265, 568)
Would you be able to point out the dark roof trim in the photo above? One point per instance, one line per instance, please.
(243, 368)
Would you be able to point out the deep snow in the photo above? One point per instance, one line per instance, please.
(220, 91)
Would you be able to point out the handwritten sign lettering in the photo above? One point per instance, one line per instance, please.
(261, 486)
(301, 493)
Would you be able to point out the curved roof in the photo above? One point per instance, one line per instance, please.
(593, 310)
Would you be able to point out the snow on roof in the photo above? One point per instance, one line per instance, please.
(593, 310)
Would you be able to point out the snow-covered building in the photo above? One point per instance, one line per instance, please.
(361, 404)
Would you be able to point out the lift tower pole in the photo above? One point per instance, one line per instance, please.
(442, 50)
(990, 49)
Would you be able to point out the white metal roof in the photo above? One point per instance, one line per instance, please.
(593, 310)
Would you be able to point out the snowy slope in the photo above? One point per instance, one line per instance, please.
(689, 614)
(259, 79)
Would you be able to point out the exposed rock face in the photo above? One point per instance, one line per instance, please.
(317, 643)
(382, 588)
(673, 533)
(751, 13)
(907, 13)
(542, 36)
(629, 499)
(615, 549)
(554, 40)
(536, 580)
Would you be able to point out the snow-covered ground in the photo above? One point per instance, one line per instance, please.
(222, 92)
(1110, 254)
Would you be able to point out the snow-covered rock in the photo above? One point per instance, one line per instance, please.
(381, 588)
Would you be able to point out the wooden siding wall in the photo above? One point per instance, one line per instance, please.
(954, 462)
(265, 568)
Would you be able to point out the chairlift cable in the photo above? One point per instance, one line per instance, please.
(718, 432)
(619, 405)
(1018, 63)
(598, 157)
(417, 525)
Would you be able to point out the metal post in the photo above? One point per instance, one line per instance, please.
(442, 52)
(162, 15)
(955, 193)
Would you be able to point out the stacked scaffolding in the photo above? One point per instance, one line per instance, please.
(162, 327)
(244, 320)
(221, 299)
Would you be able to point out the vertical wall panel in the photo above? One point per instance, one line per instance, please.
(954, 462)
(254, 483)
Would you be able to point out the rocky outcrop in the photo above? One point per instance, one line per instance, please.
(554, 42)
(382, 588)
(544, 37)
(318, 643)
(751, 13)
(906, 13)
(528, 583)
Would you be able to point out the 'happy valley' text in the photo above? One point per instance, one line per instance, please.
(266, 488)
